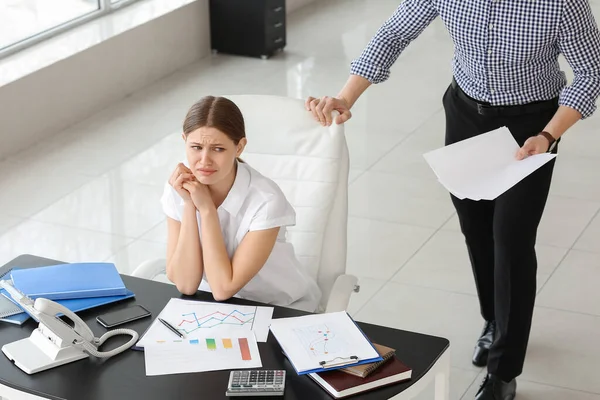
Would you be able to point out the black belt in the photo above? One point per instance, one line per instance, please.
(489, 110)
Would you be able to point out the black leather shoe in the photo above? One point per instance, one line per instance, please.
(493, 388)
(482, 348)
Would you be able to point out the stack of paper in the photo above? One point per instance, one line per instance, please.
(214, 336)
(483, 167)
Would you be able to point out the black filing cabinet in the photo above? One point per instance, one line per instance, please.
(253, 28)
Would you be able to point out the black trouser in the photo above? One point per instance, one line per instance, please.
(501, 234)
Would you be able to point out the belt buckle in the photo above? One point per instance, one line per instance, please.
(480, 108)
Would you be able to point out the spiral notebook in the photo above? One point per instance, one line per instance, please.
(364, 370)
(8, 308)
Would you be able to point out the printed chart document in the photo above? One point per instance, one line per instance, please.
(197, 319)
(483, 167)
(202, 354)
(315, 343)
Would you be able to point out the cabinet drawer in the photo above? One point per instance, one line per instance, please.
(275, 27)
(276, 40)
(275, 11)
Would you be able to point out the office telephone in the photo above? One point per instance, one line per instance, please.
(55, 342)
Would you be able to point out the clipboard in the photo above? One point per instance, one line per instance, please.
(324, 363)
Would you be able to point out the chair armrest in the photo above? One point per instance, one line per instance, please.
(150, 268)
(340, 293)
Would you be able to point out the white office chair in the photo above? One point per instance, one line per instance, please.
(310, 164)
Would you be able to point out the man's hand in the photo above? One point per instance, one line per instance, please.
(534, 145)
(322, 108)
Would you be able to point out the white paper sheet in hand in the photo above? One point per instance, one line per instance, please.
(483, 167)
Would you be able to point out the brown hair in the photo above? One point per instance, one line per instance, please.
(216, 112)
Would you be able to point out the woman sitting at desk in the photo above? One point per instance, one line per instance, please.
(226, 221)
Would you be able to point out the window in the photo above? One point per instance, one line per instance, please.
(26, 22)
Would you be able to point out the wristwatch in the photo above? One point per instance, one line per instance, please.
(550, 138)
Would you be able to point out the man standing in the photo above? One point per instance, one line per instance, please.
(506, 73)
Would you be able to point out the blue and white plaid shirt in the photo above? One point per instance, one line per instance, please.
(505, 51)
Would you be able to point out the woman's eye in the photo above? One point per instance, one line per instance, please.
(196, 147)
(219, 149)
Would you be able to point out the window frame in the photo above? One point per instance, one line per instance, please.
(106, 7)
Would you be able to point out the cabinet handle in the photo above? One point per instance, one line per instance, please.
(279, 40)
(278, 25)
(277, 9)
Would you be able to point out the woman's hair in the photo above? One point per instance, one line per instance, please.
(216, 112)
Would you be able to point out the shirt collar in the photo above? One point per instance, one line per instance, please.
(238, 192)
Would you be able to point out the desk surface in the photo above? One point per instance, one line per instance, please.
(124, 377)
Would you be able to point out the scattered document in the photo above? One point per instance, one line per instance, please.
(211, 353)
(483, 167)
(197, 319)
(315, 343)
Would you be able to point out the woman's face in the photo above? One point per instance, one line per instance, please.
(211, 154)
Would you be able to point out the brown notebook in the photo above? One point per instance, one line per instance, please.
(340, 384)
(364, 370)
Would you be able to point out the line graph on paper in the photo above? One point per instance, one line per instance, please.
(194, 321)
(198, 319)
(321, 340)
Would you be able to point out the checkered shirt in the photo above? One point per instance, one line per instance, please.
(505, 51)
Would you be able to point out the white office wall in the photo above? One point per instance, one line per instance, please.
(291, 5)
(48, 101)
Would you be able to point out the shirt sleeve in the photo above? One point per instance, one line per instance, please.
(170, 201)
(579, 42)
(276, 211)
(405, 25)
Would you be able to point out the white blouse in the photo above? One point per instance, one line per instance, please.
(256, 203)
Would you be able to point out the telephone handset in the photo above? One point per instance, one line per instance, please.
(55, 342)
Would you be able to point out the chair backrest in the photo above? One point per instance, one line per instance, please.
(310, 164)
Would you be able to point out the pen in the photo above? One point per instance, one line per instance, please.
(175, 331)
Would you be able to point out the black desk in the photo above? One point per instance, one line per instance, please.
(123, 376)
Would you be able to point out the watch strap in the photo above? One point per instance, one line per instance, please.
(551, 139)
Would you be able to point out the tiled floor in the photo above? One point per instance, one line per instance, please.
(91, 193)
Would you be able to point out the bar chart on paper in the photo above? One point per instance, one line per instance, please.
(214, 353)
(196, 319)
